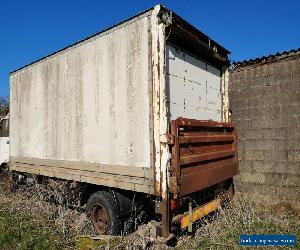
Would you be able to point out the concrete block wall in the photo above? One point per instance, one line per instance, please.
(264, 98)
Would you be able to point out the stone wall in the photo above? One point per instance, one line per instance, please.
(265, 102)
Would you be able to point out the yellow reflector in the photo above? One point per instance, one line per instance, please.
(200, 212)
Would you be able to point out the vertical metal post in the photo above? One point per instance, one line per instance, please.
(190, 228)
(165, 218)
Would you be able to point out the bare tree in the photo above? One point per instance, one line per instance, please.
(4, 106)
(4, 110)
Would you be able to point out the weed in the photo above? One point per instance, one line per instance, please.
(27, 221)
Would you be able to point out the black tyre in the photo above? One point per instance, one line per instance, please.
(103, 213)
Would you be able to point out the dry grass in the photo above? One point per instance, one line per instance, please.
(241, 216)
(27, 221)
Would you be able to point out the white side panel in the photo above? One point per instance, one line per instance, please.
(194, 87)
(4, 149)
(89, 103)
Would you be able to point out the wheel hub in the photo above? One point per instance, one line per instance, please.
(99, 219)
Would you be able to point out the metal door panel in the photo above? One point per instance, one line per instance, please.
(193, 87)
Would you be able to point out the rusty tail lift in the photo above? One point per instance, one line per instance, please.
(203, 153)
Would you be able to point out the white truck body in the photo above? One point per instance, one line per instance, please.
(99, 111)
(4, 140)
(4, 150)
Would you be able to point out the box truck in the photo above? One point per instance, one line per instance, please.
(135, 113)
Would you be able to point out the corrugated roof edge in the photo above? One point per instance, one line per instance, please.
(201, 34)
(113, 26)
(264, 58)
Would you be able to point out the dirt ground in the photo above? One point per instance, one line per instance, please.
(29, 219)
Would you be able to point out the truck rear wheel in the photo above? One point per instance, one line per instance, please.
(103, 213)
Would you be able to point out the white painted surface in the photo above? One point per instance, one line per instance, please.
(89, 103)
(194, 87)
(4, 149)
(160, 119)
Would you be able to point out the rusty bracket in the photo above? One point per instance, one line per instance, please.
(170, 139)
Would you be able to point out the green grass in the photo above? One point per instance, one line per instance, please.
(19, 231)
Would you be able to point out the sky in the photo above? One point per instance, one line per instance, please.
(32, 29)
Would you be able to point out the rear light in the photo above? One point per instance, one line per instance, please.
(174, 203)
